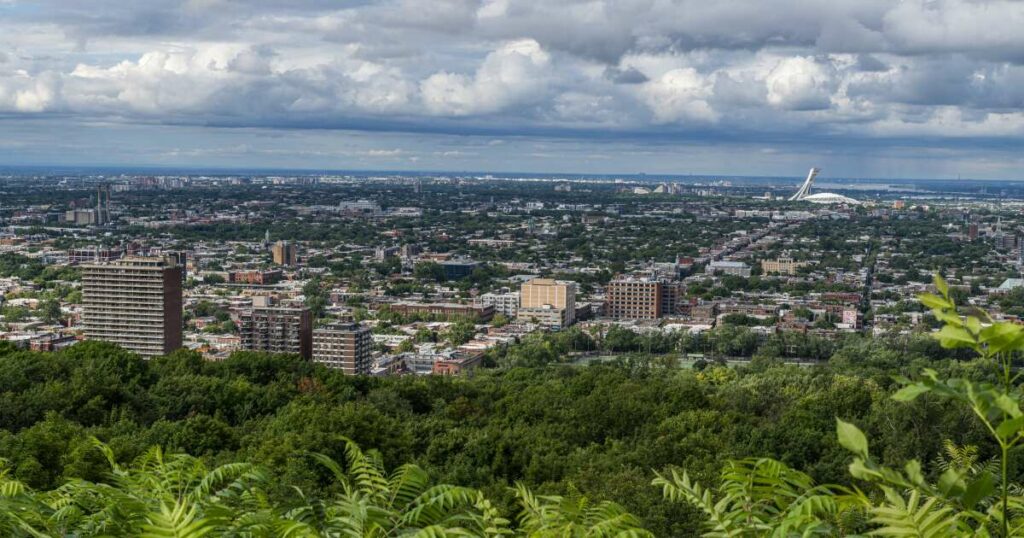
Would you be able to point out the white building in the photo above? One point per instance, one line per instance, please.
(728, 268)
(506, 304)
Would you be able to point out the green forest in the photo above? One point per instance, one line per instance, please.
(97, 442)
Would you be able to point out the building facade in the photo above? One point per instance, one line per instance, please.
(545, 293)
(506, 304)
(729, 268)
(344, 346)
(277, 330)
(783, 266)
(134, 302)
(633, 298)
(256, 277)
(479, 313)
(285, 253)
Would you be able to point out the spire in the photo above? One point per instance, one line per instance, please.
(805, 189)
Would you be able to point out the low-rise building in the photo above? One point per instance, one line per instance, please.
(729, 268)
(782, 265)
(506, 304)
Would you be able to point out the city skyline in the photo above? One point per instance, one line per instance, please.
(865, 89)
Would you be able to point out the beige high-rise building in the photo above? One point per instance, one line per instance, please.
(134, 302)
(344, 346)
(284, 253)
(546, 293)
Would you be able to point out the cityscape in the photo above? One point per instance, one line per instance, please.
(511, 269)
(438, 275)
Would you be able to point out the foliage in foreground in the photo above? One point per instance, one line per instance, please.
(175, 495)
(767, 498)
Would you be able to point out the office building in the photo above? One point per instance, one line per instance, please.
(447, 311)
(545, 293)
(506, 304)
(134, 302)
(457, 270)
(343, 346)
(81, 217)
(634, 298)
(545, 316)
(86, 255)
(285, 253)
(728, 268)
(782, 266)
(277, 330)
(256, 277)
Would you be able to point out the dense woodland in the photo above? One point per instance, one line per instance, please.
(601, 431)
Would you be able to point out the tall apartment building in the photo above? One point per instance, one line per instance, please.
(134, 302)
(344, 346)
(673, 298)
(285, 253)
(634, 298)
(277, 330)
(548, 294)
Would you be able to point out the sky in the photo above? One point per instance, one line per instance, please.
(860, 88)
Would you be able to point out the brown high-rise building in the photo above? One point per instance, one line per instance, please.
(545, 293)
(285, 253)
(634, 298)
(673, 298)
(344, 346)
(277, 330)
(134, 302)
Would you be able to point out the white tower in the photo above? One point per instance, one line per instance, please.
(805, 189)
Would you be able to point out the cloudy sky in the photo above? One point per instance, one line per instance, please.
(861, 88)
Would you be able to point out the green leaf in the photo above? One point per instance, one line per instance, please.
(851, 438)
(981, 487)
(1008, 405)
(1009, 428)
(910, 392)
(940, 284)
(952, 337)
(949, 482)
(934, 302)
(973, 324)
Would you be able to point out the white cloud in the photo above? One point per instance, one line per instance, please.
(679, 95)
(514, 73)
(800, 83)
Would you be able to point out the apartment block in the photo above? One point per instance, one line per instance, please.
(135, 302)
(284, 253)
(344, 346)
(506, 304)
(277, 330)
(634, 298)
(546, 293)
